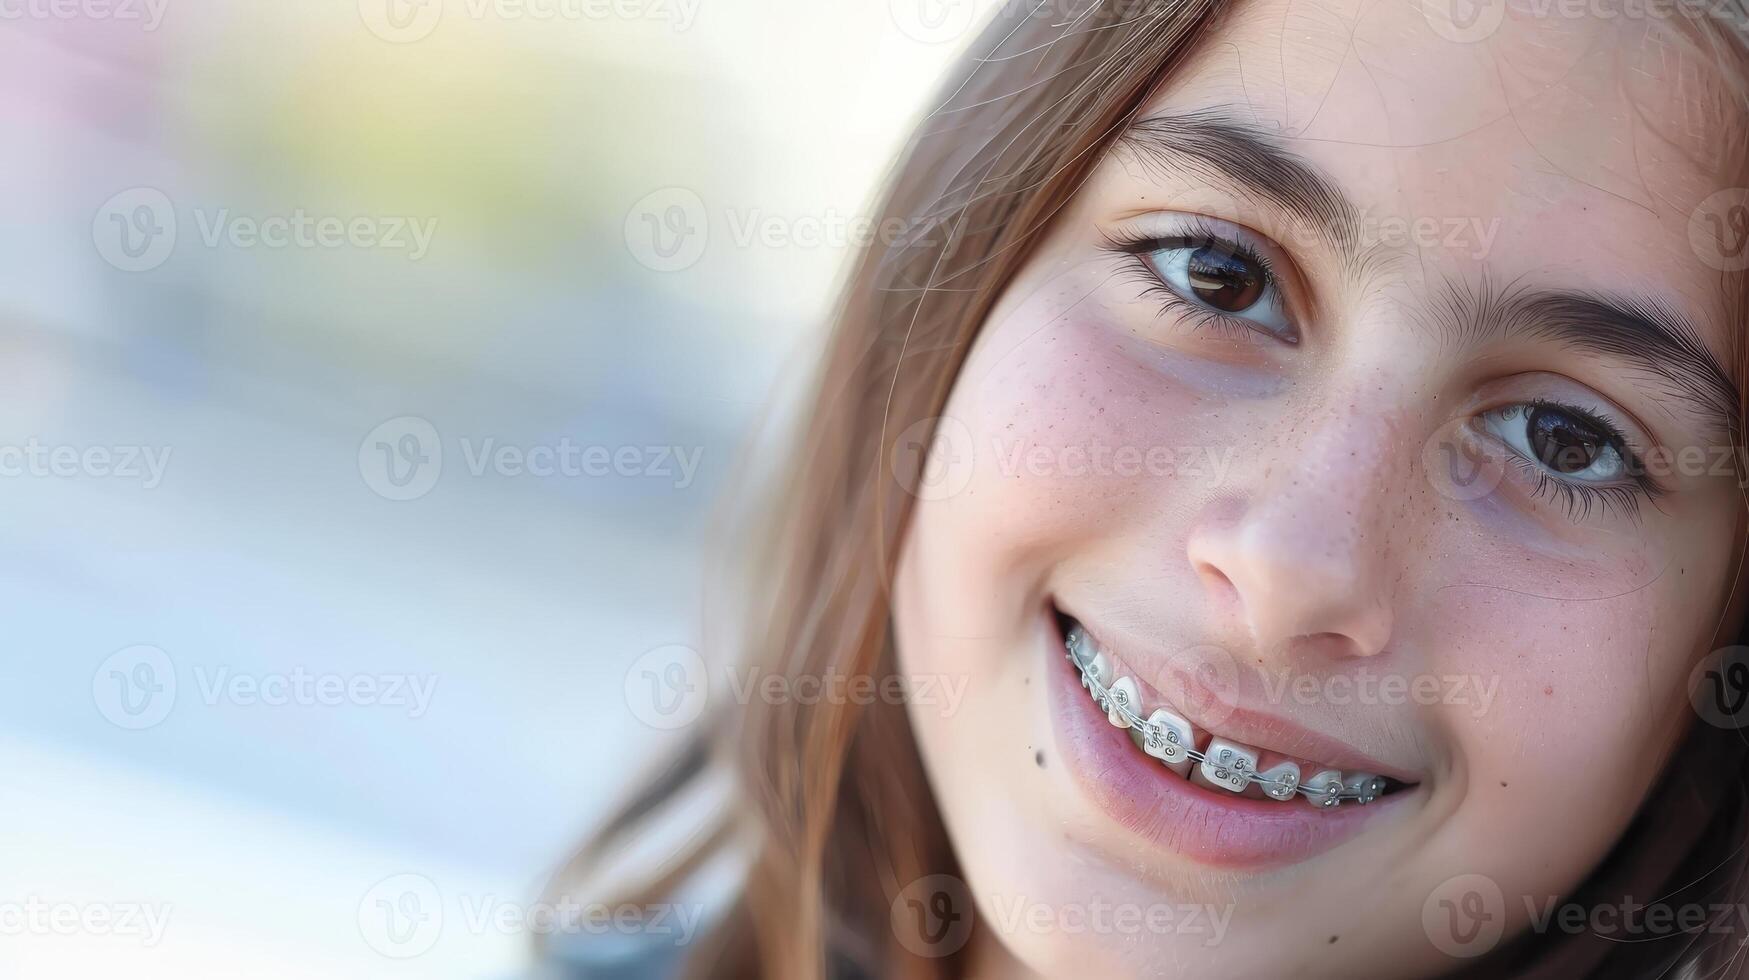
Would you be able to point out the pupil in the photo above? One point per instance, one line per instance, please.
(1223, 280)
(1562, 443)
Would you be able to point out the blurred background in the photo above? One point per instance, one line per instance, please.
(371, 368)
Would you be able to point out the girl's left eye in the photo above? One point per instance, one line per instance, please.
(1564, 441)
(1224, 280)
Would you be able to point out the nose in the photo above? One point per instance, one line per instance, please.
(1301, 554)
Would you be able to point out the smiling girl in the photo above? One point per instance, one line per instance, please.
(1308, 431)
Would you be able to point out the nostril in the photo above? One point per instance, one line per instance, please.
(1216, 580)
(1332, 646)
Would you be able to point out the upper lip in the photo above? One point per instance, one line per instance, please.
(1255, 727)
(1277, 734)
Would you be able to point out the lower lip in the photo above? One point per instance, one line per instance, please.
(1209, 826)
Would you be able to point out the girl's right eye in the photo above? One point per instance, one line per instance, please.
(1223, 279)
(1216, 280)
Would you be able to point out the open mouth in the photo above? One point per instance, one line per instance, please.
(1208, 758)
(1207, 807)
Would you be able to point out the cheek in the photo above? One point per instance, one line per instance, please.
(1074, 440)
(1587, 675)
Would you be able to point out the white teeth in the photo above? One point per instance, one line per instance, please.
(1167, 736)
(1122, 694)
(1324, 786)
(1364, 785)
(1226, 764)
(1100, 669)
(1081, 646)
(1281, 780)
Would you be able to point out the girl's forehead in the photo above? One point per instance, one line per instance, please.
(1649, 107)
(1552, 144)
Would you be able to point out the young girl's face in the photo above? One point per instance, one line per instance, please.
(1366, 409)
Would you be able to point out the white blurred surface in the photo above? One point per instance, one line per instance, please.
(265, 552)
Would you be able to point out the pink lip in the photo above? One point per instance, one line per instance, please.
(1211, 827)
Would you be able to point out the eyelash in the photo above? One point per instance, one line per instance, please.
(1576, 497)
(1197, 234)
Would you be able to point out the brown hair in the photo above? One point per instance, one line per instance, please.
(828, 803)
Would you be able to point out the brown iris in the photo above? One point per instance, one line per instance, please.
(1228, 282)
(1564, 444)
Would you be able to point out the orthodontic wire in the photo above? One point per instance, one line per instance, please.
(1328, 797)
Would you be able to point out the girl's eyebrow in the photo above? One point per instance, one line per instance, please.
(1214, 145)
(1649, 334)
(1644, 332)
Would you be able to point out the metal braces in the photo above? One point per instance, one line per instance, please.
(1281, 788)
